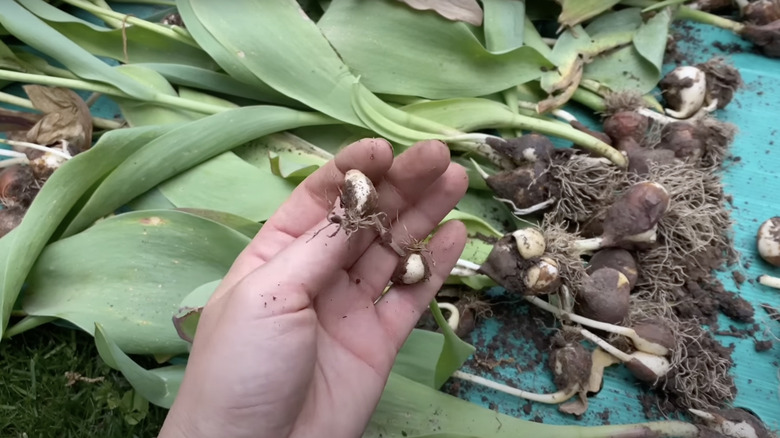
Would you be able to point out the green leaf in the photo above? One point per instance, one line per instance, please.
(187, 318)
(504, 25)
(57, 197)
(229, 184)
(159, 385)
(477, 248)
(129, 273)
(636, 66)
(143, 45)
(243, 225)
(291, 157)
(454, 352)
(40, 36)
(419, 356)
(208, 80)
(144, 113)
(575, 12)
(283, 48)
(151, 200)
(183, 148)
(440, 58)
(464, 114)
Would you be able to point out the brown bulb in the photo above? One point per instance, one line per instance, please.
(626, 124)
(604, 296)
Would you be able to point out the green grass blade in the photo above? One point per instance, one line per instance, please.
(504, 25)
(185, 147)
(142, 45)
(203, 79)
(40, 36)
(55, 200)
(440, 58)
(129, 273)
(284, 49)
(159, 386)
(229, 184)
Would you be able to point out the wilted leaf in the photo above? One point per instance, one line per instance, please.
(66, 118)
(455, 10)
(574, 12)
(129, 273)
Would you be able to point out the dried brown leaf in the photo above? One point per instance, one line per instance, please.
(66, 117)
(468, 11)
(11, 120)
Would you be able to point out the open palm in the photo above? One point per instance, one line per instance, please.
(291, 343)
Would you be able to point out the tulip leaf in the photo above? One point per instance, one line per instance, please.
(129, 273)
(454, 352)
(184, 147)
(159, 386)
(40, 36)
(247, 227)
(431, 45)
(305, 67)
(143, 113)
(574, 12)
(229, 184)
(504, 25)
(290, 156)
(143, 45)
(468, 11)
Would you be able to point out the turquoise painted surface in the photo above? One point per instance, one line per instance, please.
(754, 184)
(752, 177)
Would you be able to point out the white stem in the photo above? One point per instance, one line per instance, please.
(13, 161)
(606, 346)
(48, 150)
(573, 317)
(528, 210)
(589, 245)
(475, 137)
(768, 280)
(549, 41)
(12, 154)
(552, 399)
(454, 320)
(559, 113)
(459, 271)
(479, 169)
(467, 264)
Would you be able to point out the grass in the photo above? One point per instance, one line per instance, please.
(37, 401)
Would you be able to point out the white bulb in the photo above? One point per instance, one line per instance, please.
(691, 97)
(530, 243)
(363, 189)
(415, 269)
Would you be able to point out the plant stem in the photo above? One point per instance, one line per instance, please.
(97, 122)
(156, 28)
(768, 280)
(552, 399)
(454, 320)
(37, 147)
(164, 99)
(590, 99)
(586, 141)
(606, 346)
(12, 154)
(12, 161)
(686, 13)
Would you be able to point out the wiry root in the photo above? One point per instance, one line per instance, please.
(571, 267)
(623, 101)
(585, 183)
(719, 136)
(700, 375)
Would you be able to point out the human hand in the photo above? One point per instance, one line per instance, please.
(291, 343)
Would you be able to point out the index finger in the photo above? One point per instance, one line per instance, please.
(310, 202)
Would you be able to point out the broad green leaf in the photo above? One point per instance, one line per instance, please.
(624, 20)
(333, 138)
(226, 59)
(247, 227)
(467, 11)
(188, 316)
(533, 39)
(40, 36)
(51, 206)
(159, 385)
(203, 79)
(129, 273)
(465, 114)
(504, 25)
(199, 96)
(151, 200)
(200, 295)
(183, 148)
(477, 248)
(454, 352)
(144, 113)
(419, 356)
(574, 12)
(440, 58)
(290, 156)
(142, 45)
(229, 184)
(637, 66)
(283, 48)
